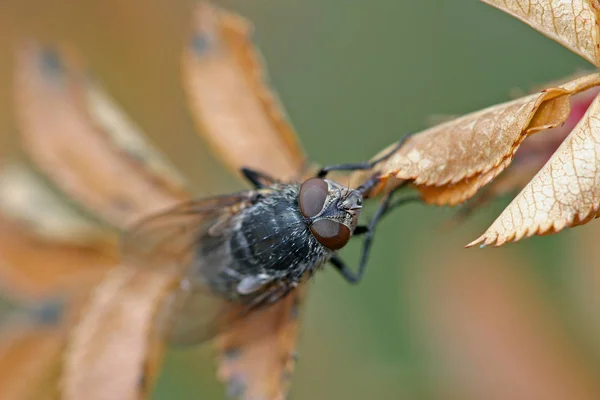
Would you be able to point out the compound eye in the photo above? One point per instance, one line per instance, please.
(331, 234)
(312, 197)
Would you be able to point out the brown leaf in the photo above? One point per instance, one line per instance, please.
(233, 107)
(508, 183)
(532, 155)
(30, 357)
(25, 196)
(572, 23)
(44, 244)
(33, 340)
(450, 162)
(113, 352)
(76, 135)
(33, 268)
(258, 356)
(457, 193)
(565, 192)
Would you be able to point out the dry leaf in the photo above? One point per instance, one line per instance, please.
(44, 244)
(130, 140)
(34, 268)
(33, 341)
(258, 356)
(30, 356)
(112, 352)
(232, 105)
(565, 192)
(456, 193)
(75, 135)
(508, 183)
(24, 196)
(532, 155)
(450, 162)
(572, 23)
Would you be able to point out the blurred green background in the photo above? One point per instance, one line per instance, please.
(354, 77)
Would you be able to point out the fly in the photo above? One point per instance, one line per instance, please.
(242, 252)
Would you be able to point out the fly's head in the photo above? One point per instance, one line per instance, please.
(331, 209)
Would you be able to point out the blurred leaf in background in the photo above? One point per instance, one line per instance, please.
(423, 324)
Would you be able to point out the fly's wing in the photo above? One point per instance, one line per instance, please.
(191, 316)
(193, 312)
(167, 236)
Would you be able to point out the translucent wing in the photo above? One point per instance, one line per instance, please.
(164, 240)
(194, 311)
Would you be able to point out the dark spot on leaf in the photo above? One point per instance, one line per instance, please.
(232, 353)
(202, 43)
(50, 64)
(294, 356)
(236, 386)
(48, 313)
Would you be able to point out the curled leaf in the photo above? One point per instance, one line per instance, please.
(75, 135)
(450, 162)
(533, 154)
(565, 192)
(233, 107)
(113, 352)
(258, 356)
(457, 193)
(572, 23)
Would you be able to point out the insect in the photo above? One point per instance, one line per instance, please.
(241, 252)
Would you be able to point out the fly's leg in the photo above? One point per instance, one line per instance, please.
(368, 231)
(258, 179)
(360, 230)
(363, 229)
(343, 269)
(362, 165)
(269, 296)
(401, 202)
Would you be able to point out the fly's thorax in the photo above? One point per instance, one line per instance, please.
(331, 209)
(272, 237)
